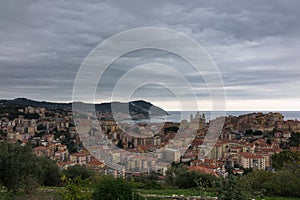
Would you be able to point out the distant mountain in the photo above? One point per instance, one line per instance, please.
(135, 107)
(23, 102)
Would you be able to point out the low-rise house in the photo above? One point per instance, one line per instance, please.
(80, 158)
(205, 169)
(62, 155)
(43, 151)
(65, 165)
(95, 165)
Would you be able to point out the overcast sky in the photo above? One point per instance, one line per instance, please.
(255, 44)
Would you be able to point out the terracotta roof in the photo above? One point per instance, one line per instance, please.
(197, 142)
(203, 169)
(196, 161)
(249, 155)
(40, 148)
(60, 164)
(236, 147)
(61, 151)
(94, 161)
(250, 145)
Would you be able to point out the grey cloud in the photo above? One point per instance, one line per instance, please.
(254, 43)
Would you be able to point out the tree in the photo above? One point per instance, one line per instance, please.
(77, 170)
(149, 181)
(71, 146)
(230, 189)
(171, 129)
(187, 179)
(285, 159)
(258, 132)
(255, 182)
(76, 189)
(279, 183)
(247, 171)
(284, 183)
(181, 177)
(109, 188)
(120, 144)
(249, 132)
(294, 139)
(31, 116)
(18, 167)
(51, 172)
(173, 171)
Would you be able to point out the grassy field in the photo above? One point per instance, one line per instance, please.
(53, 194)
(281, 198)
(195, 192)
(37, 195)
(185, 192)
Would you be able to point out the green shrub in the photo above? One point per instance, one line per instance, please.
(109, 188)
(76, 189)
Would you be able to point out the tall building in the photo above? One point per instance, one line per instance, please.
(197, 122)
(171, 155)
(250, 160)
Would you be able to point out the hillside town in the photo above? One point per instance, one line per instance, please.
(246, 141)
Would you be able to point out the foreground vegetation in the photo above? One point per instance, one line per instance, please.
(172, 191)
(46, 193)
(25, 176)
(282, 198)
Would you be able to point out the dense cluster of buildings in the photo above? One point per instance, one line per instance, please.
(49, 132)
(246, 141)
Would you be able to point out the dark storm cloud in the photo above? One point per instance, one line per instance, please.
(254, 43)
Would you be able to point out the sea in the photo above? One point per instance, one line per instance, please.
(177, 116)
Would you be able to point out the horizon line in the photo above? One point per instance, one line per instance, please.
(168, 110)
